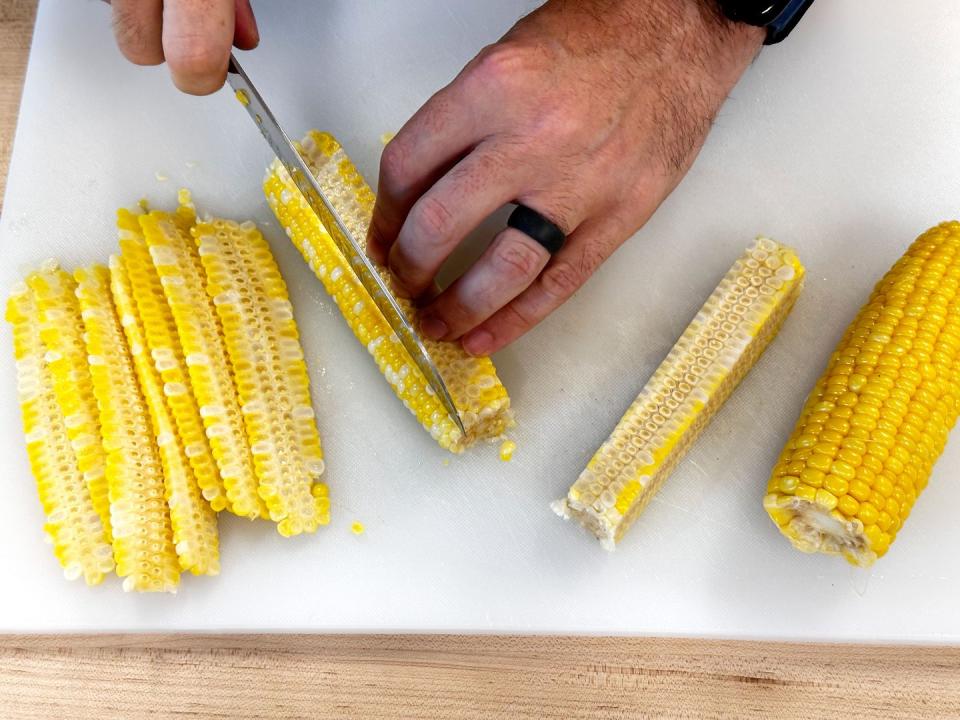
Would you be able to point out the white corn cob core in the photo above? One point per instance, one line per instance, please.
(714, 353)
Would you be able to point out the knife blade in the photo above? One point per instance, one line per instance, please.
(368, 275)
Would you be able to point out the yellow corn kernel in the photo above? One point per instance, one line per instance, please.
(61, 330)
(181, 274)
(271, 376)
(192, 520)
(715, 352)
(894, 410)
(473, 383)
(142, 536)
(73, 525)
(166, 354)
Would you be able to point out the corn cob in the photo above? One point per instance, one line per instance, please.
(264, 346)
(192, 520)
(73, 524)
(142, 536)
(877, 420)
(473, 383)
(184, 283)
(61, 330)
(711, 357)
(163, 344)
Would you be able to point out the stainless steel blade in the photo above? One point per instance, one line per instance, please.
(371, 279)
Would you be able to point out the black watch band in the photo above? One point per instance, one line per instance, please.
(777, 17)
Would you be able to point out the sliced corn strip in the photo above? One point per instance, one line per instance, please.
(61, 330)
(142, 536)
(264, 345)
(877, 420)
(192, 520)
(473, 383)
(184, 283)
(166, 353)
(714, 353)
(73, 524)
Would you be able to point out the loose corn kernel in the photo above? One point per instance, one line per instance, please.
(898, 404)
(193, 521)
(717, 349)
(163, 348)
(142, 535)
(473, 383)
(271, 375)
(73, 525)
(184, 283)
(61, 330)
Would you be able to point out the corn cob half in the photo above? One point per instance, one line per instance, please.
(877, 420)
(182, 276)
(192, 520)
(711, 357)
(473, 383)
(61, 329)
(142, 536)
(73, 524)
(274, 391)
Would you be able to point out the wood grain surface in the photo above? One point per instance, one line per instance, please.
(372, 677)
(16, 30)
(428, 677)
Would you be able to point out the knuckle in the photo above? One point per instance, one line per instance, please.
(136, 43)
(431, 221)
(516, 319)
(457, 314)
(516, 259)
(502, 62)
(561, 280)
(392, 162)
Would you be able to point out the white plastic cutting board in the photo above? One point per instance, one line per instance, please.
(843, 142)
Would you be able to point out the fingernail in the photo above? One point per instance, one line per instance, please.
(433, 327)
(478, 343)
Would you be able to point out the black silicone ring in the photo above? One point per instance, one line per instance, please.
(536, 226)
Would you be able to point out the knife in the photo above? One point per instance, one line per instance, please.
(371, 279)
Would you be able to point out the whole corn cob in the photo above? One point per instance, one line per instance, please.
(473, 383)
(181, 274)
(711, 357)
(61, 329)
(142, 536)
(877, 420)
(193, 522)
(264, 347)
(73, 525)
(166, 354)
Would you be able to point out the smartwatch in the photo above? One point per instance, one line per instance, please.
(777, 17)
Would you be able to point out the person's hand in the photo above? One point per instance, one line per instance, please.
(587, 111)
(193, 36)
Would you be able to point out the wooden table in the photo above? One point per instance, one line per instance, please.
(292, 676)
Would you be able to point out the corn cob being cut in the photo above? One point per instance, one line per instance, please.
(142, 536)
(61, 330)
(264, 346)
(192, 520)
(877, 420)
(175, 257)
(473, 383)
(166, 354)
(73, 524)
(712, 356)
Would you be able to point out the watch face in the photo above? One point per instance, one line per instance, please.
(753, 12)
